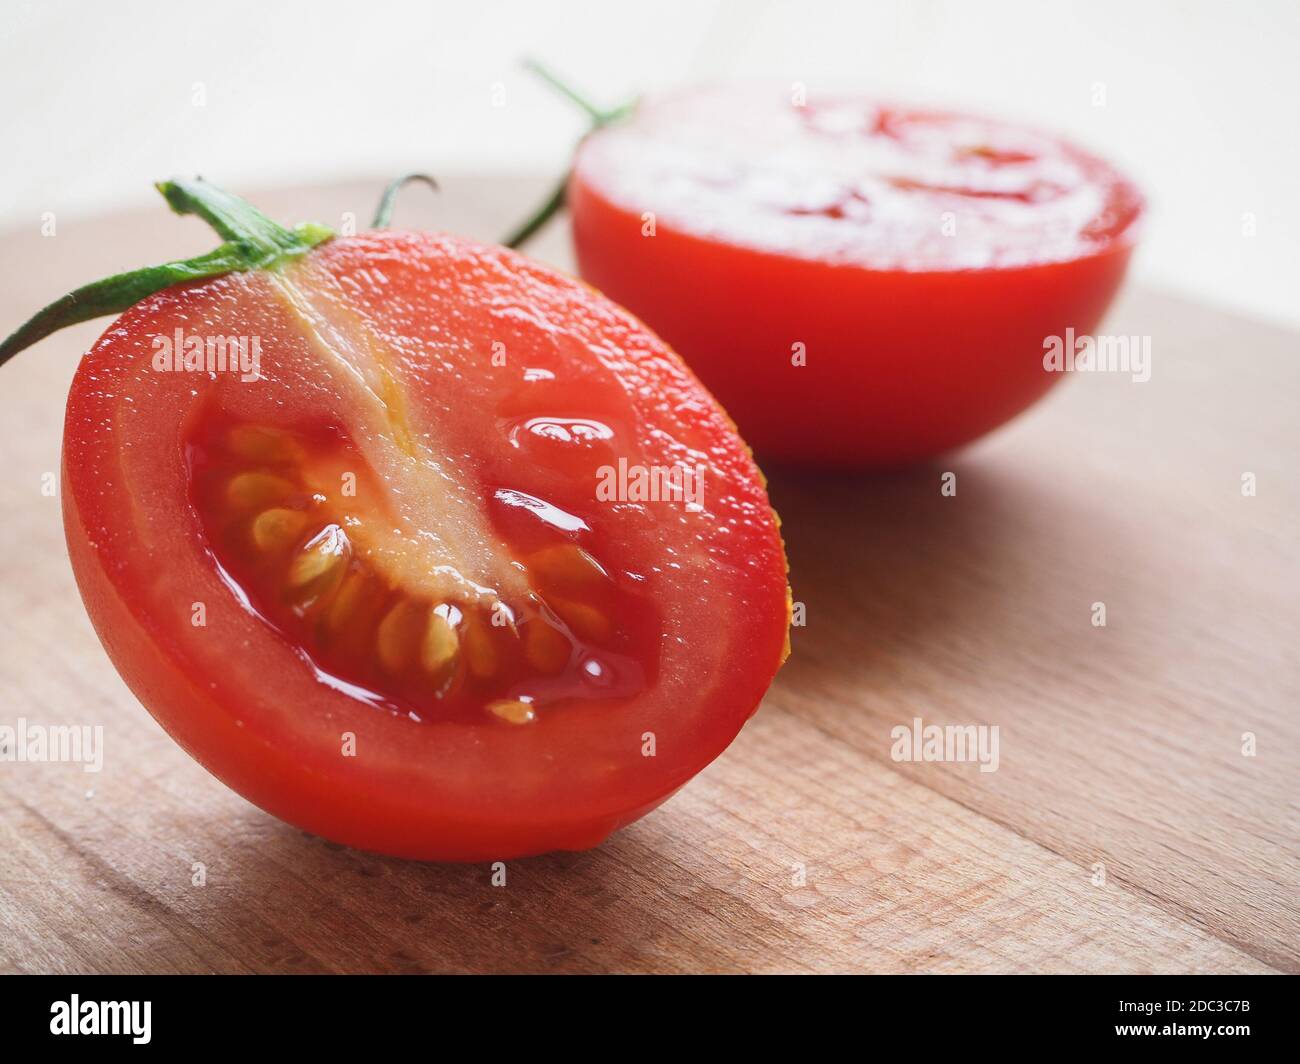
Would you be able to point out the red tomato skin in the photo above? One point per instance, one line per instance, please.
(901, 365)
(252, 714)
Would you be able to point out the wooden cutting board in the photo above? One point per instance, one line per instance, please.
(1124, 829)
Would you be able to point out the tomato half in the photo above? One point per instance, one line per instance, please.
(438, 583)
(859, 284)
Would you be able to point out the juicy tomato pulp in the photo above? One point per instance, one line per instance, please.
(409, 589)
(299, 526)
(860, 285)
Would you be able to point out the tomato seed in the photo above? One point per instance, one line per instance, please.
(513, 711)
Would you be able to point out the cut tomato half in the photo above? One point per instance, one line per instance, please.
(860, 284)
(459, 562)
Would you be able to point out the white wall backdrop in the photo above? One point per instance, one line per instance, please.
(1199, 100)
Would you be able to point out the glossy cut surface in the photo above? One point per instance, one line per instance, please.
(914, 261)
(378, 591)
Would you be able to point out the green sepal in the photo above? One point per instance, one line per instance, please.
(384, 212)
(252, 242)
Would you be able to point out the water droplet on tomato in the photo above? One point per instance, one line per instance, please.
(546, 512)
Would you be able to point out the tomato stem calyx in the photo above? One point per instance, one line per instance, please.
(555, 201)
(384, 212)
(252, 242)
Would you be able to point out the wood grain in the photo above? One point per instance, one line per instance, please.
(805, 847)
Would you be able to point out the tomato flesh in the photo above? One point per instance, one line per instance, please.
(287, 516)
(376, 590)
(859, 284)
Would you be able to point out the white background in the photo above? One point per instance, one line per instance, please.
(1201, 99)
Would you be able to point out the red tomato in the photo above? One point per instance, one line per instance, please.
(395, 591)
(913, 262)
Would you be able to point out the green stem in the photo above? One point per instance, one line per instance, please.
(544, 72)
(389, 199)
(538, 219)
(555, 202)
(252, 242)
